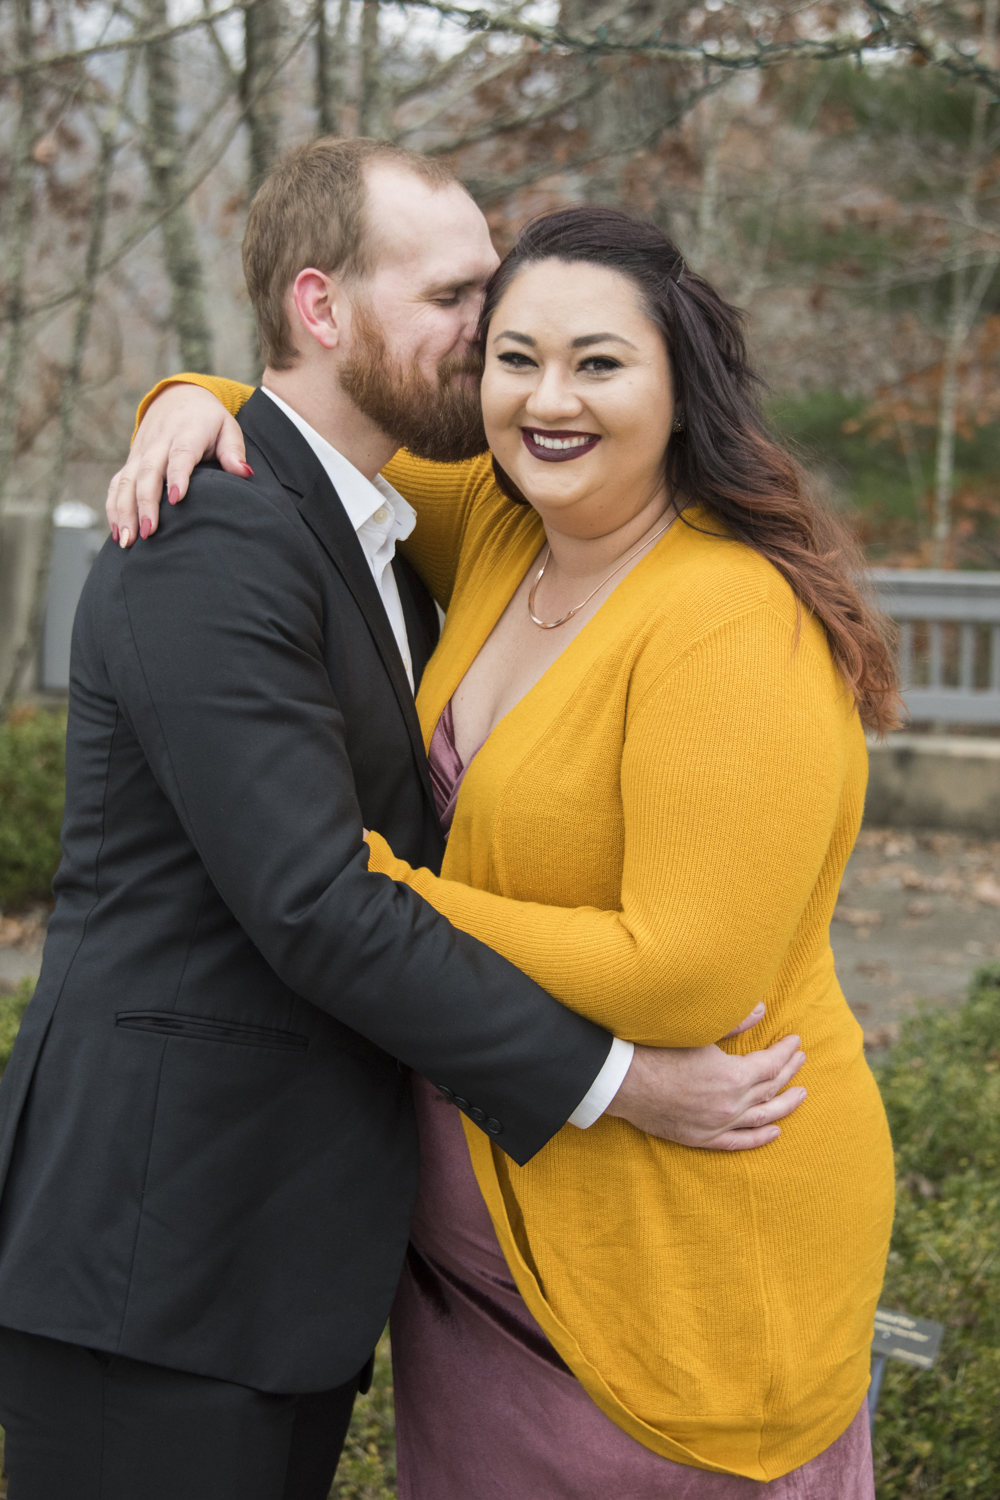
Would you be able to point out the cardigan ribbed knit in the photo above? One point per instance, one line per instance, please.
(656, 833)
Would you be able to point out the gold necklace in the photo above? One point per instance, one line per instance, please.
(554, 624)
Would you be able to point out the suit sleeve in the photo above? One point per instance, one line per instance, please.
(443, 495)
(215, 647)
(728, 814)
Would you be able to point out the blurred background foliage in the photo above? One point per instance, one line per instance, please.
(841, 184)
(32, 791)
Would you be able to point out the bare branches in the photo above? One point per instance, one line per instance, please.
(889, 30)
(53, 60)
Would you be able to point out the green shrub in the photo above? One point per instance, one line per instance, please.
(937, 1435)
(367, 1469)
(13, 1004)
(32, 792)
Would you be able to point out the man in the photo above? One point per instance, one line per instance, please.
(207, 1148)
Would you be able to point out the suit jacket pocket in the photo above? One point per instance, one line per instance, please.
(211, 1029)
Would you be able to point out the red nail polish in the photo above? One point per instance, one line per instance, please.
(249, 471)
(145, 527)
(114, 533)
(173, 494)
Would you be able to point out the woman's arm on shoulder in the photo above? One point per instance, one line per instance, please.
(731, 782)
(444, 497)
(181, 421)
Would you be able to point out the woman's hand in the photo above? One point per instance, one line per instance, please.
(710, 1099)
(184, 425)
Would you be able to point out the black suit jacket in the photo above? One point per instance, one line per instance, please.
(208, 1154)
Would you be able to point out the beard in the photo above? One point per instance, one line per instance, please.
(442, 421)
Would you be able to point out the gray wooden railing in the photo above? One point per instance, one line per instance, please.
(949, 642)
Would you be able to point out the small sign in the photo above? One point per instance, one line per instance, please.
(914, 1340)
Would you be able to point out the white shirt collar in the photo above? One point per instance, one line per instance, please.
(361, 498)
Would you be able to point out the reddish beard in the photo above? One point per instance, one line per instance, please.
(442, 421)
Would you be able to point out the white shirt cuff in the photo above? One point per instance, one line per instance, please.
(605, 1086)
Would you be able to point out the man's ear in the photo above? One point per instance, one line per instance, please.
(315, 299)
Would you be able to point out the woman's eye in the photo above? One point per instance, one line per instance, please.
(446, 301)
(600, 364)
(515, 360)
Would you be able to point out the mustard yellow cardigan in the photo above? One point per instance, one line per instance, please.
(656, 834)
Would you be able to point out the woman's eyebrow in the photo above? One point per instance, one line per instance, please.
(583, 342)
(586, 339)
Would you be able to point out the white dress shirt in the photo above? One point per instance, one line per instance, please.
(381, 518)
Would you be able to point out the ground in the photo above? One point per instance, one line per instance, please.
(917, 913)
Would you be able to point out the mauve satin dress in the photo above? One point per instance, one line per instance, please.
(485, 1407)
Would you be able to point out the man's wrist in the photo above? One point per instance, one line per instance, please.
(605, 1086)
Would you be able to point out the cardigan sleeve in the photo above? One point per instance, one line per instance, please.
(232, 393)
(443, 495)
(731, 778)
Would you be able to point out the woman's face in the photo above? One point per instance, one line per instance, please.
(577, 396)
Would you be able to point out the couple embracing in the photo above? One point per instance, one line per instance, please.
(352, 1001)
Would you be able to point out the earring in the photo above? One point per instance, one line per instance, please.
(678, 423)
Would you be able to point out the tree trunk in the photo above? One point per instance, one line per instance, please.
(22, 202)
(371, 103)
(69, 390)
(180, 246)
(965, 303)
(262, 100)
(331, 70)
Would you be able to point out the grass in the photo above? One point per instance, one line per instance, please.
(936, 1435)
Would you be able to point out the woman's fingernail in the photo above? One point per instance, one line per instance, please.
(124, 539)
(173, 494)
(247, 471)
(114, 533)
(145, 527)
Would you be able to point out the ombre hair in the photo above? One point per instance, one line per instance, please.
(724, 457)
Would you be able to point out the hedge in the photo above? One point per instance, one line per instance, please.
(32, 792)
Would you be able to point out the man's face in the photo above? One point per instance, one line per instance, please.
(410, 364)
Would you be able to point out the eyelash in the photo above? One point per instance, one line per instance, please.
(600, 364)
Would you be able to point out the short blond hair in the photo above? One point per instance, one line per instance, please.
(310, 211)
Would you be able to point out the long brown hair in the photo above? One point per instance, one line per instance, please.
(724, 457)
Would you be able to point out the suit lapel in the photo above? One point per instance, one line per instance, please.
(299, 471)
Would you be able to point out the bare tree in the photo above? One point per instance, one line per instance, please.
(18, 238)
(163, 149)
(71, 383)
(331, 69)
(371, 102)
(969, 284)
(260, 87)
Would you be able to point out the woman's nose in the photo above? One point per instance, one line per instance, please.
(553, 397)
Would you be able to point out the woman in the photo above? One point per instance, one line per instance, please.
(645, 724)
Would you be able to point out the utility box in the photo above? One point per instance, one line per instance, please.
(77, 539)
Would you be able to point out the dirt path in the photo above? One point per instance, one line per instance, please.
(916, 915)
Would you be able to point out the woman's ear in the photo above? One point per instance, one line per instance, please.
(314, 299)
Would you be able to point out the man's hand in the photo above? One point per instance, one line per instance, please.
(184, 425)
(704, 1097)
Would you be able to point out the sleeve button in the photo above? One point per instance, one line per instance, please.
(445, 1090)
(462, 1103)
(494, 1126)
(477, 1114)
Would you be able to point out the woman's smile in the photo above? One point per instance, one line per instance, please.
(557, 447)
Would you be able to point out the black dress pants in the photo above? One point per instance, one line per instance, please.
(81, 1425)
